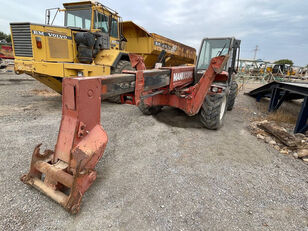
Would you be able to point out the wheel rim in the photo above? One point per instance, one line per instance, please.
(223, 107)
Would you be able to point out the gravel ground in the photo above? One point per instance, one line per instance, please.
(157, 173)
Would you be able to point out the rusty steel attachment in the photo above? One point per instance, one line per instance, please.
(66, 173)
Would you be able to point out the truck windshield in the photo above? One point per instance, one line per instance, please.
(211, 48)
(80, 18)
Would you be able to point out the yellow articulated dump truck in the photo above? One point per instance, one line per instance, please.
(93, 41)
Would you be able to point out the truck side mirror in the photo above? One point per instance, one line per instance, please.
(47, 17)
(122, 38)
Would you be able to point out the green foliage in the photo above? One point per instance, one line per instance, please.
(284, 61)
(9, 38)
(5, 37)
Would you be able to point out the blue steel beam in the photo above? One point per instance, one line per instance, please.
(301, 123)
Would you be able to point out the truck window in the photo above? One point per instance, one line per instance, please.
(114, 28)
(78, 18)
(101, 22)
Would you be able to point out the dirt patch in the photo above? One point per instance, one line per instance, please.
(286, 114)
(283, 116)
(44, 92)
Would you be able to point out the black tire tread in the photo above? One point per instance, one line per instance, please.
(146, 110)
(210, 111)
(232, 95)
(122, 65)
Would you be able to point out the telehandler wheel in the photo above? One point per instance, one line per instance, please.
(122, 65)
(232, 95)
(213, 110)
(146, 110)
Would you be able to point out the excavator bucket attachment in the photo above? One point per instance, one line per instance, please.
(66, 173)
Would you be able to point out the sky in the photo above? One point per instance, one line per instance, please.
(278, 27)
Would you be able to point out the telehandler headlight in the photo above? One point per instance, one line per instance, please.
(215, 89)
(38, 42)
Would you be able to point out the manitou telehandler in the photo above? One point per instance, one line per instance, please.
(93, 42)
(206, 89)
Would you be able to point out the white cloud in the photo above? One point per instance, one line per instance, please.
(274, 25)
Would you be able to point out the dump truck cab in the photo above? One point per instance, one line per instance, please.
(94, 17)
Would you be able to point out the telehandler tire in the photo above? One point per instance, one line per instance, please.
(213, 110)
(232, 95)
(146, 110)
(122, 65)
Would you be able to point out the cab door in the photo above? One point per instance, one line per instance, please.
(108, 24)
(114, 33)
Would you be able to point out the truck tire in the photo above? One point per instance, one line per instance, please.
(122, 65)
(213, 110)
(232, 95)
(146, 110)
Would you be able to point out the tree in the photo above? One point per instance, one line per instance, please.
(9, 38)
(2, 35)
(6, 37)
(285, 61)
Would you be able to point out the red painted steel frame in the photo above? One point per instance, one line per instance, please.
(189, 99)
(81, 143)
(137, 61)
(185, 76)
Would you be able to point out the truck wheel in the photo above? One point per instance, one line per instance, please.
(232, 95)
(122, 65)
(213, 111)
(146, 110)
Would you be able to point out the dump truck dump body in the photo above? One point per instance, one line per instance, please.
(150, 46)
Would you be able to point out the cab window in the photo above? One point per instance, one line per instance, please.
(210, 49)
(114, 28)
(101, 22)
(78, 18)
